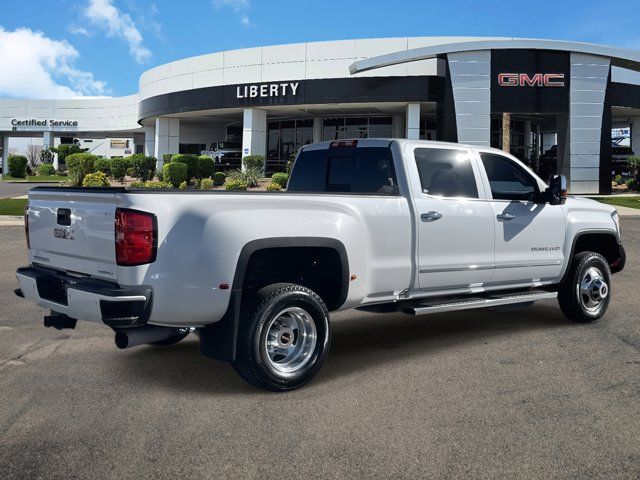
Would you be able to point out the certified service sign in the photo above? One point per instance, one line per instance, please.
(33, 122)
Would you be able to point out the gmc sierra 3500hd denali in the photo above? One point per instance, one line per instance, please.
(379, 225)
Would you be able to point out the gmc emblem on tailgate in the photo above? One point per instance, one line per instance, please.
(535, 80)
(63, 233)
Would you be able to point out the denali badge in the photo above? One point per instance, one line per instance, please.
(545, 249)
(63, 233)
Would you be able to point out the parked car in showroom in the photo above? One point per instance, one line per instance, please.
(379, 225)
(227, 153)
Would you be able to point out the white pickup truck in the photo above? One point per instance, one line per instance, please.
(378, 225)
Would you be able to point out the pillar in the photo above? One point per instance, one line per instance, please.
(317, 130)
(506, 132)
(528, 141)
(254, 132)
(470, 74)
(5, 155)
(150, 141)
(635, 135)
(397, 127)
(166, 138)
(589, 79)
(413, 121)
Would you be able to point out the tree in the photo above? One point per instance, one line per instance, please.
(46, 155)
(65, 150)
(33, 154)
(634, 166)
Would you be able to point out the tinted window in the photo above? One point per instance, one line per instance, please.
(446, 172)
(508, 180)
(345, 170)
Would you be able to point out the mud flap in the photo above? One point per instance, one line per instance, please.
(219, 339)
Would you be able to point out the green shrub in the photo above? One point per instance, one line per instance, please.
(250, 176)
(631, 183)
(144, 167)
(166, 158)
(273, 187)
(206, 184)
(280, 179)
(219, 178)
(119, 168)
(79, 165)
(29, 170)
(98, 179)
(151, 184)
(254, 162)
(46, 169)
(206, 166)
(102, 165)
(175, 173)
(191, 161)
(159, 175)
(235, 185)
(17, 166)
(617, 179)
(183, 185)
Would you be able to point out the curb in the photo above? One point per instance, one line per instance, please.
(11, 221)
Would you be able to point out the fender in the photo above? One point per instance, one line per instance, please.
(581, 233)
(219, 340)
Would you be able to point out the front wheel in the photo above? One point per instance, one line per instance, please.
(585, 294)
(283, 338)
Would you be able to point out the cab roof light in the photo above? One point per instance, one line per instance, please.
(344, 143)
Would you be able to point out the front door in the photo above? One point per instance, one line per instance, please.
(529, 236)
(454, 228)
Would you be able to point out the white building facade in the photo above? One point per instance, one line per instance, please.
(562, 99)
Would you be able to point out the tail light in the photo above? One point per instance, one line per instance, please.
(136, 237)
(26, 226)
(344, 143)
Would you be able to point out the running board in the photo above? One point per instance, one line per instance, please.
(478, 302)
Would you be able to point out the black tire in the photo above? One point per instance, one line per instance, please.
(258, 318)
(172, 340)
(572, 302)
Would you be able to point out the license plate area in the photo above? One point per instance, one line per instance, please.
(53, 289)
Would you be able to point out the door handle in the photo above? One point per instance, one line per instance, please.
(430, 216)
(506, 216)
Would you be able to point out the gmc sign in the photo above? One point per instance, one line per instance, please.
(535, 80)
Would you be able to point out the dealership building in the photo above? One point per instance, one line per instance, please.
(552, 104)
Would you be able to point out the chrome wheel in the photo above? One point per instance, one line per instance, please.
(592, 290)
(290, 340)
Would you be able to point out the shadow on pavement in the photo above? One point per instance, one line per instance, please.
(360, 342)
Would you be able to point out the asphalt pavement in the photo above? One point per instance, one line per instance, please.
(475, 394)
(17, 189)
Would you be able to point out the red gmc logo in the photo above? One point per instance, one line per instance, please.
(535, 80)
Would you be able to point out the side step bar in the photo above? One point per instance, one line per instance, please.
(478, 302)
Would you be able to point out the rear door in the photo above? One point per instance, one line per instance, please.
(73, 231)
(453, 222)
(529, 236)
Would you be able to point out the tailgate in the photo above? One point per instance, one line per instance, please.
(73, 231)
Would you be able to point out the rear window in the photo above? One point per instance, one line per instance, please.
(345, 170)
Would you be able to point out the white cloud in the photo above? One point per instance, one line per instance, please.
(34, 67)
(238, 6)
(102, 14)
(78, 30)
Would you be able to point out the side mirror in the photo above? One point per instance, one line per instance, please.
(557, 190)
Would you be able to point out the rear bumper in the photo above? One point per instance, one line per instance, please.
(86, 298)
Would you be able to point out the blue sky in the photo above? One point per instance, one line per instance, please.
(67, 48)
